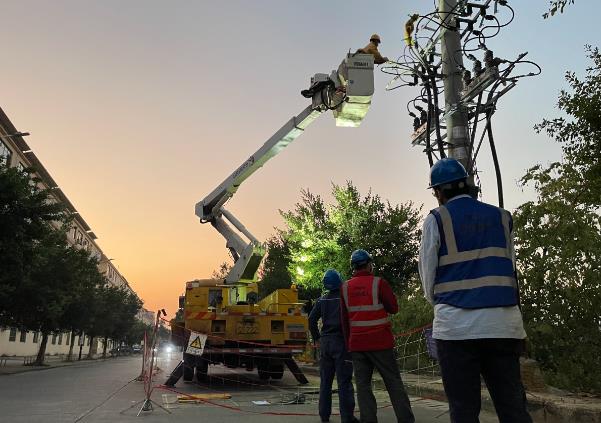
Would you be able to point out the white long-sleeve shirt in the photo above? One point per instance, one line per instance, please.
(453, 323)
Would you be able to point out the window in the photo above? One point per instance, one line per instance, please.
(21, 167)
(60, 339)
(23, 337)
(35, 337)
(79, 238)
(88, 341)
(5, 153)
(67, 341)
(54, 339)
(13, 335)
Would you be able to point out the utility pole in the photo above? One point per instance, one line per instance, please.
(452, 68)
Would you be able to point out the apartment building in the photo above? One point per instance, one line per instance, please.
(16, 153)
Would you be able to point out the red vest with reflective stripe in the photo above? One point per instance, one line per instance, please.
(368, 320)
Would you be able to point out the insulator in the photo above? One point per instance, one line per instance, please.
(416, 123)
(467, 78)
(477, 68)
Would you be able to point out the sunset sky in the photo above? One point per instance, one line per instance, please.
(140, 108)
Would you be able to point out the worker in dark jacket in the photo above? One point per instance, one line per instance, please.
(334, 357)
(367, 300)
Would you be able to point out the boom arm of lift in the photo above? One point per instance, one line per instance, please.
(347, 92)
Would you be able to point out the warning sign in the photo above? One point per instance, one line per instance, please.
(196, 344)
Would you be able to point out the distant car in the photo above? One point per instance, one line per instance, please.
(122, 350)
(136, 349)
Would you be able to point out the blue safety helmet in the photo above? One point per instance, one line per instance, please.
(331, 280)
(446, 171)
(360, 258)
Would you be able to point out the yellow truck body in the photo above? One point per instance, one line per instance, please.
(263, 334)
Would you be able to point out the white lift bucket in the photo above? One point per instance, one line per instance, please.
(356, 74)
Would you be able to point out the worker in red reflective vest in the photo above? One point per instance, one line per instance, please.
(365, 304)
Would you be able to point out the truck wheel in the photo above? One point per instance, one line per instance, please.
(276, 371)
(263, 373)
(188, 373)
(202, 371)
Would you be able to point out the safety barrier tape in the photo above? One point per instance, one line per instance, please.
(412, 331)
(398, 335)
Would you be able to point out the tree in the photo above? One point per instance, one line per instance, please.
(135, 333)
(558, 241)
(557, 6)
(26, 212)
(115, 310)
(49, 288)
(322, 236)
(77, 313)
(274, 270)
(222, 271)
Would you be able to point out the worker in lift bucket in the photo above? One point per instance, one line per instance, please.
(367, 300)
(372, 48)
(334, 358)
(467, 268)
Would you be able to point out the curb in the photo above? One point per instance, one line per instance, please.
(27, 369)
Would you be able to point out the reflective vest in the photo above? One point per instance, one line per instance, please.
(475, 266)
(365, 311)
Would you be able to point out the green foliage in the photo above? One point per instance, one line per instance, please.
(556, 6)
(558, 241)
(25, 215)
(274, 271)
(46, 284)
(414, 310)
(322, 236)
(222, 271)
(135, 333)
(114, 312)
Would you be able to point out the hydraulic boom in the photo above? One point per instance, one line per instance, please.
(347, 92)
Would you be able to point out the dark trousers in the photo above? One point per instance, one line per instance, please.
(498, 361)
(385, 362)
(334, 359)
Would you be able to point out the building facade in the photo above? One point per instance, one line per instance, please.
(15, 152)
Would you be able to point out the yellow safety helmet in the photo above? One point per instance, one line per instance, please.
(375, 37)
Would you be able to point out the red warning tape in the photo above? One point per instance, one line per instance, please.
(238, 409)
(412, 331)
(398, 335)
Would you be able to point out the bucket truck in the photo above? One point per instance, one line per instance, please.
(241, 330)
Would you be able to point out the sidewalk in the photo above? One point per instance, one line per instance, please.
(15, 364)
(553, 406)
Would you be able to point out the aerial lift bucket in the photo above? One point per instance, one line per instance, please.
(356, 75)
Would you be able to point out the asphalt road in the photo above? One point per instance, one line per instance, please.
(107, 392)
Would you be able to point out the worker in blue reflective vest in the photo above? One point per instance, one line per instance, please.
(334, 358)
(467, 268)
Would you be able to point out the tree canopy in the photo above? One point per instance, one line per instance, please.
(47, 284)
(320, 236)
(558, 240)
(26, 212)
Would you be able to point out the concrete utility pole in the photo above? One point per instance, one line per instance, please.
(452, 68)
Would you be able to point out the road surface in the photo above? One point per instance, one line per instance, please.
(106, 391)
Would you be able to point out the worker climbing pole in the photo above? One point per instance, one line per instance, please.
(457, 30)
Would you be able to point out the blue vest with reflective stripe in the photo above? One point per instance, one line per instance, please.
(475, 267)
